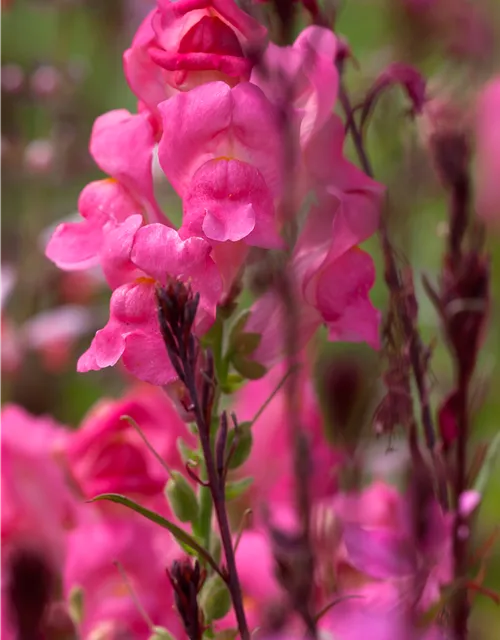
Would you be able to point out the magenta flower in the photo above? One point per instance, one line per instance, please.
(33, 485)
(187, 43)
(132, 333)
(107, 455)
(221, 150)
(143, 552)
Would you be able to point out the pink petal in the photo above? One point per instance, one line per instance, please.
(116, 249)
(102, 201)
(146, 358)
(160, 252)
(379, 553)
(75, 245)
(214, 121)
(231, 201)
(469, 501)
(342, 298)
(144, 77)
(122, 146)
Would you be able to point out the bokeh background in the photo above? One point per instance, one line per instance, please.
(61, 68)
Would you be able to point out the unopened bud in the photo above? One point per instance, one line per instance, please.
(181, 498)
(215, 599)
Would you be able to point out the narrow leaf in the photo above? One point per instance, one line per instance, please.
(236, 489)
(488, 465)
(179, 534)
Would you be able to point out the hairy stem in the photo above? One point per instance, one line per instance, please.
(217, 491)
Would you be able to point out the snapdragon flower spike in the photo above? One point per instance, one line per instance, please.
(222, 151)
(132, 332)
(190, 42)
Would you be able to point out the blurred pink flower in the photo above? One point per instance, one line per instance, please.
(187, 43)
(38, 508)
(331, 277)
(107, 455)
(143, 552)
(274, 483)
(307, 70)
(488, 152)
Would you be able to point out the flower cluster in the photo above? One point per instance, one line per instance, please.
(112, 563)
(241, 127)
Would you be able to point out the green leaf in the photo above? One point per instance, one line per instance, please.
(244, 446)
(246, 343)
(186, 452)
(237, 488)
(488, 465)
(215, 599)
(179, 534)
(181, 498)
(238, 325)
(249, 369)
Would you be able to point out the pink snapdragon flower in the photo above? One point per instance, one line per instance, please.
(143, 552)
(488, 154)
(190, 42)
(221, 149)
(330, 275)
(34, 485)
(107, 455)
(122, 146)
(132, 332)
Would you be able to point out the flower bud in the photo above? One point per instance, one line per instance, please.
(215, 599)
(181, 498)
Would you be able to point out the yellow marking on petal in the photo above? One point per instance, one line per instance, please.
(145, 280)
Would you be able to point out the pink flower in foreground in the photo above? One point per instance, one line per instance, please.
(488, 152)
(38, 509)
(190, 42)
(221, 150)
(107, 455)
(122, 146)
(109, 608)
(132, 333)
(331, 277)
(307, 70)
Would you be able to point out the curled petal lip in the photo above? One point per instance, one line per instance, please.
(233, 66)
